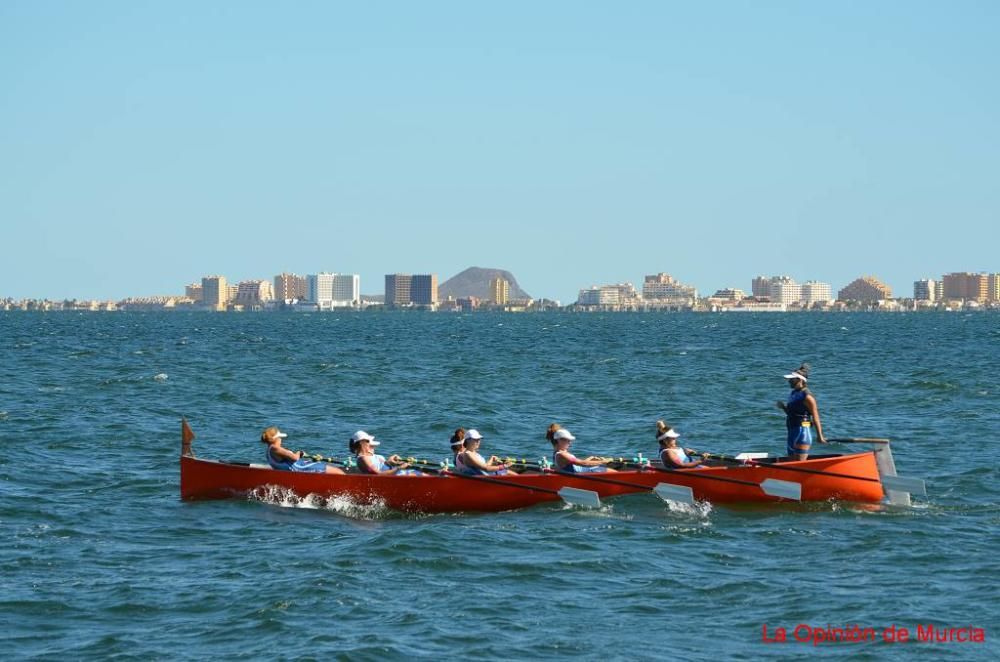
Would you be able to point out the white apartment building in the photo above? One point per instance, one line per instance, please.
(346, 290)
(665, 286)
(599, 296)
(816, 292)
(785, 291)
(329, 291)
(253, 292)
(925, 290)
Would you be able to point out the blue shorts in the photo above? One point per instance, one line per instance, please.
(799, 440)
(309, 466)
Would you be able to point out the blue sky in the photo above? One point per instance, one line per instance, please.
(145, 144)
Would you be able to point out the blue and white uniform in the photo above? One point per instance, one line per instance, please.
(469, 470)
(303, 465)
(668, 460)
(380, 465)
(799, 423)
(571, 468)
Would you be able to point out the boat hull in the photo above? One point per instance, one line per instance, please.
(210, 479)
(852, 477)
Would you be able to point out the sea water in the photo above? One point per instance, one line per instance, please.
(100, 559)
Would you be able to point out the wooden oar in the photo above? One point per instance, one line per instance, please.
(671, 492)
(665, 491)
(897, 483)
(571, 495)
(770, 486)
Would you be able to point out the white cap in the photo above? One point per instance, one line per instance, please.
(562, 434)
(795, 375)
(669, 434)
(473, 434)
(361, 435)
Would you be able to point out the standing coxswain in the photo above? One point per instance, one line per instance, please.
(801, 413)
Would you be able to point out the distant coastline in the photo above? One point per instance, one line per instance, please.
(891, 306)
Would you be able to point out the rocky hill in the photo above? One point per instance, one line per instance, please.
(475, 282)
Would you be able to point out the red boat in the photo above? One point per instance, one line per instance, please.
(853, 477)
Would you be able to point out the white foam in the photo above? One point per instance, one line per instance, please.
(700, 509)
(341, 505)
(160, 377)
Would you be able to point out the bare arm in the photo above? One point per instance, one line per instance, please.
(476, 460)
(371, 468)
(814, 413)
(281, 451)
(678, 462)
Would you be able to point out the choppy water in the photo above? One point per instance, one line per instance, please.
(100, 558)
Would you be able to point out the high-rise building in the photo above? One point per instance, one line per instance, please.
(925, 290)
(289, 286)
(499, 291)
(253, 292)
(193, 292)
(785, 290)
(994, 287)
(814, 292)
(424, 289)
(966, 286)
(761, 287)
(663, 286)
(346, 290)
(319, 289)
(215, 292)
(397, 289)
(866, 289)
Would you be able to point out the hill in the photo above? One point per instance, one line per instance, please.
(475, 282)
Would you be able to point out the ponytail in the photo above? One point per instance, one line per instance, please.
(551, 432)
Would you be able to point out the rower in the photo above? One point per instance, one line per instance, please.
(801, 413)
(457, 443)
(671, 455)
(471, 463)
(566, 462)
(282, 459)
(362, 445)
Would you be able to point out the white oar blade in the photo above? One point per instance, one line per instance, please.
(577, 497)
(904, 484)
(679, 493)
(751, 456)
(785, 489)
